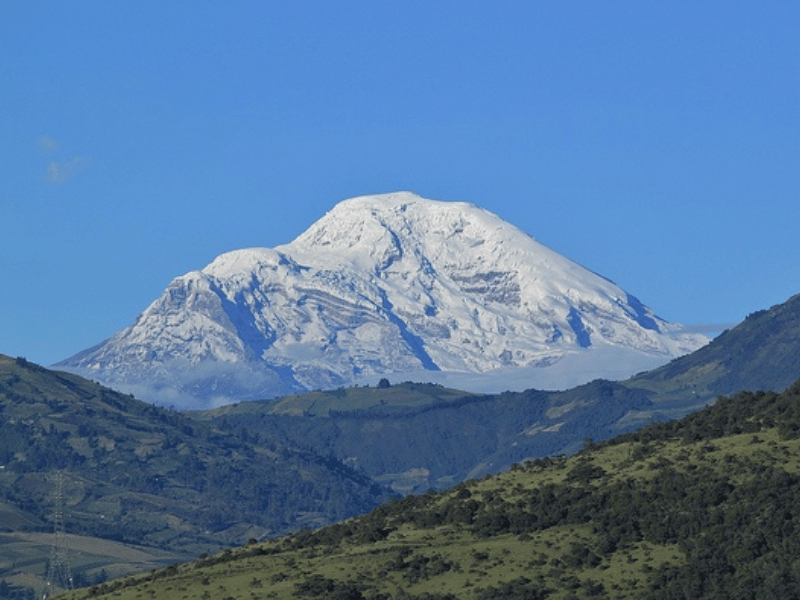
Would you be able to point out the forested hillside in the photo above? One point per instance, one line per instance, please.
(420, 436)
(704, 508)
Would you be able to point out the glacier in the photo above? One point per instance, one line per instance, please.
(383, 285)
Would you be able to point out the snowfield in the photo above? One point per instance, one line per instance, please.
(386, 285)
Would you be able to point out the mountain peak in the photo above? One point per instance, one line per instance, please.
(383, 284)
(382, 222)
(395, 202)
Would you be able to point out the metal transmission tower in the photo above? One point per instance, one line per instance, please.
(59, 576)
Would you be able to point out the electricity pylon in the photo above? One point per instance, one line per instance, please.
(59, 576)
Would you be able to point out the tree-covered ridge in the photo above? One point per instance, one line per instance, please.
(708, 507)
(384, 399)
(746, 412)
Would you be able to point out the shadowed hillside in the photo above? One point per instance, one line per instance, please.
(143, 475)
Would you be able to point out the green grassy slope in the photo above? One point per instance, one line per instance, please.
(708, 507)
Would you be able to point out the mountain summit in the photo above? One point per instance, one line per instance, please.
(380, 285)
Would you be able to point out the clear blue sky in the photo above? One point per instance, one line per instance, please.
(657, 143)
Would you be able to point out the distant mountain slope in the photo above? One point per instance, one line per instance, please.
(140, 474)
(705, 508)
(761, 353)
(414, 445)
(379, 285)
(436, 445)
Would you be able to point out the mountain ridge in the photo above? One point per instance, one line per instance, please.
(760, 353)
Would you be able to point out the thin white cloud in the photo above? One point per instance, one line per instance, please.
(61, 172)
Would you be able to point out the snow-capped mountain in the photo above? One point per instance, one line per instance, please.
(380, 285)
